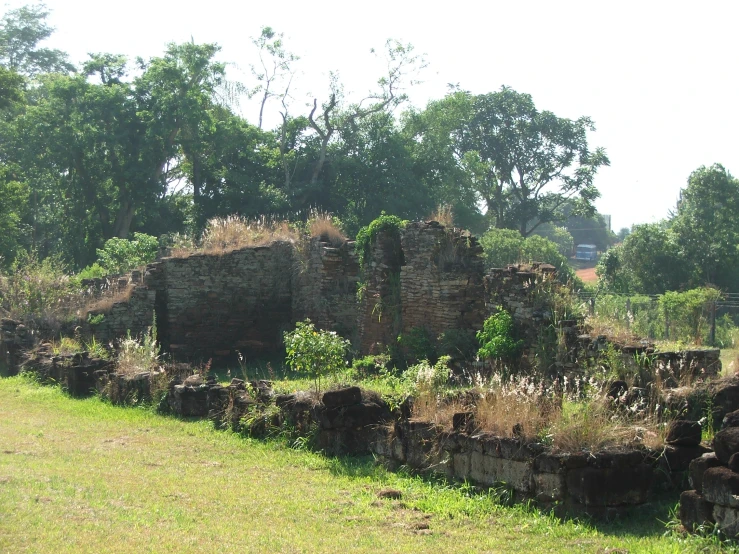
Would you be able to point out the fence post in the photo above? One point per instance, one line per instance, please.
(628, 313)
(713, 323)
(667, 324)
(592, 305)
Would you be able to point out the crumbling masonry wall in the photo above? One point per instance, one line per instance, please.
(427, 276)
(441, 279)
(325, 285)
(213, 305)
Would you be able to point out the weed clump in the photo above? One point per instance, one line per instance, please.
(326, 227)
(225, 234)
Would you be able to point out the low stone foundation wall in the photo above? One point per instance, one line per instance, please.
(714, 477)
(597, 483)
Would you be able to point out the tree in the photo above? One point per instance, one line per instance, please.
(402, 65)
(11, 88)
(21, 31)
(648, 262)
(623, 233)
(706, 226)
(506, 246)
(559, 236)
(179, 94)
(525, 165)
(13, 205)
(275, 65)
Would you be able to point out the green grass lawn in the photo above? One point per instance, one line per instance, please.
(83, 476)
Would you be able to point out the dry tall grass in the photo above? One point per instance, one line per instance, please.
(104, 303)
(137, 356)
(579, 417)
(444, 215)
(322, 225)
(225, 234)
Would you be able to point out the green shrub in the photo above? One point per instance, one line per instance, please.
(94, 271)
(122, 255)
(428, 377)
(367, 236)
(37, 290)
(317, 352)
(370, 365)
(496, 338)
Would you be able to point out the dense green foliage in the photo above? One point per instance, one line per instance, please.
(318, 353)
(696, 246)
(506, 246)
(497, 338)
(122, 255)
(367, 236)
(683, 317)
(112, 148)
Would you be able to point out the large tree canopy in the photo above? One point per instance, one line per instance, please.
(21, 31)
(707, 226)
(525, 165)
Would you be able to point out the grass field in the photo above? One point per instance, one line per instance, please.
(83, 476)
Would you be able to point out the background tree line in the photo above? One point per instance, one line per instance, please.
(111, 146)
(697, 245)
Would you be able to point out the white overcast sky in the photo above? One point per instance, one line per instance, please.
(658, 78)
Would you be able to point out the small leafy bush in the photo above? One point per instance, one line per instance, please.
(428, 377)
(367, 236)
(370, 365)
(94, 271)
(317, 352)
(37, 290)
(497, 341)
(122, 255)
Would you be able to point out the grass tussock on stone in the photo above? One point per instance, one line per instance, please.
(322, 225)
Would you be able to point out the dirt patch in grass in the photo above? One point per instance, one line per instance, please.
(587, 275)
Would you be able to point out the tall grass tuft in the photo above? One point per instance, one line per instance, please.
(138, 355)
(326, 227)
(225, 234)
(444, 215)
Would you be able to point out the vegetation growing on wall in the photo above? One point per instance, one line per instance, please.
(367, 236)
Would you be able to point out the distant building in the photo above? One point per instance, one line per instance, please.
(586, 252)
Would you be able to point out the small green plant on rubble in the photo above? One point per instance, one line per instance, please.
(317, 352)
(497, 340)
(139, 355)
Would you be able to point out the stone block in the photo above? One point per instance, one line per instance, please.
(678, 458)
(549, 487)
(610, 486)
(727, 519)
(684, 433)
(726, 443)
(721, 486)
(517, 474)
(730, 420)
(461, 465)
(695, 511)
(698, 467)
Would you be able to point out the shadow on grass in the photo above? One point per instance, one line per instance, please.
(649, 520)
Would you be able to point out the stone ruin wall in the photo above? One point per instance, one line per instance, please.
(210, 306)
(213, 305)
(378, 312)
(325, 286)
(441, 279)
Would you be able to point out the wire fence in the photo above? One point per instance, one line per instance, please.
(699, 316)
